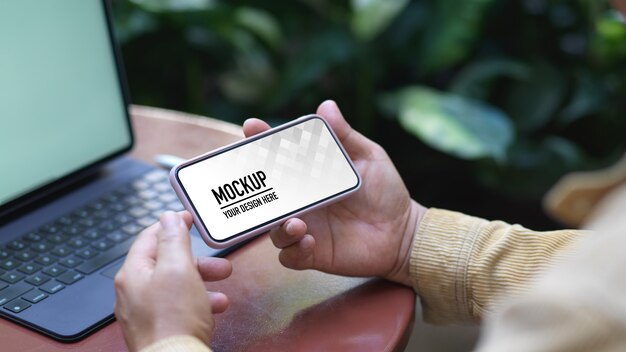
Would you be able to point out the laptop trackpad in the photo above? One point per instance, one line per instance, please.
(110, 272)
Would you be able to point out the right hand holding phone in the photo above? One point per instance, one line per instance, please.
(367, 234)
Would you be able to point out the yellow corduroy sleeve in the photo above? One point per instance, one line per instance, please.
(462, 266)
(181, 343)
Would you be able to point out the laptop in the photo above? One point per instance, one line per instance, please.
(71, 202)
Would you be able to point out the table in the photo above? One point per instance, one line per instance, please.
(272, 308)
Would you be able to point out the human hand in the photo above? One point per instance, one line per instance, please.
(160, 290)
(367, 234)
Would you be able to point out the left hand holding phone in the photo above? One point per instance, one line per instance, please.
(160, 290)
(367, 234)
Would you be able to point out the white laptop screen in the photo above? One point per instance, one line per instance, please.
(61, 104)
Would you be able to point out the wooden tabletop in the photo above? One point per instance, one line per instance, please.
(272, 308)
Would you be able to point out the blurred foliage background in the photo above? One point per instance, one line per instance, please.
(482, 104)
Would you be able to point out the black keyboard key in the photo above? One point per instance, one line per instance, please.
(132, 229)
(70, 277)
(73, 230)
(104, 258)
(146, 221)
(52, 286)
(45, 260)
(103, 214)
(37, 279)
(148, 194)
(8, 264)
(97, 205)
(33, 237)
(4, 254)
(29, 268)
(41, 247)
(141, 184)
(117, 236)
(87, 253)
(88, 222)
(168, 197)
(62, 251)
(65, 220)
(11, 277)
(70, 262)
(103, 245)
(13, 291)
(93, 234)
(117, 207)
(50, 228)
(17, 305)
(122, 219)
(3, 286)
(25, 255)
(153, 205)
(175, 206)
(111, 199)
(82, 213)
(107, 226)
(57, 238)
(132, 200)
(53, 270)
(16, 245)
(77, 243)
(138, 212)
(34, 296)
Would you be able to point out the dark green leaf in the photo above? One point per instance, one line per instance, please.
(588, 97)
(453, 30)
(534, 101)
(475, 79)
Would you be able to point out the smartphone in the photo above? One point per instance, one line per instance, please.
(246, 188)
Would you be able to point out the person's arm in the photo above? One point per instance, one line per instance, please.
(462, 267)
(579, 305)
(461, 264)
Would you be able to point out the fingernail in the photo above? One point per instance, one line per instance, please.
(169, 219)
(289, 227)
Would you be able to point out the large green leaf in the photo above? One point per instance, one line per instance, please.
(370, 17)
(463, 127)
(174, 5)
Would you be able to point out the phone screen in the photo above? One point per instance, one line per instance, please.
(242, 188)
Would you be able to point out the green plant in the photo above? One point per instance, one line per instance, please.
(522, 91)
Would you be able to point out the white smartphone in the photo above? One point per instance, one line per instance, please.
(246, 188)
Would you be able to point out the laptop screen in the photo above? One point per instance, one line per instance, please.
(61, 104)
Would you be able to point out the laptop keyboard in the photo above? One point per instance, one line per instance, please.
(43, 262)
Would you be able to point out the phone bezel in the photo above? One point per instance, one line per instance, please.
(265, 226)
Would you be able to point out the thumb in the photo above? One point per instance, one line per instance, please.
(174, 246)
(355, 144)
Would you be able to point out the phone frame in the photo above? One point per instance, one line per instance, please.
(266, 226)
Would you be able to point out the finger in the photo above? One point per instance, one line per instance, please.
(219, 302)
(174, 247)
(214, 269)
(187, 218)
(144, 249)
(355, 144)
(330, 111)
(254, 126)
(299, 256)
(290, 232)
